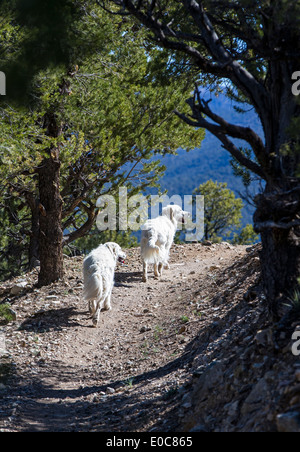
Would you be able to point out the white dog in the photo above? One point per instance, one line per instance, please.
(157, 239)
(98, 272)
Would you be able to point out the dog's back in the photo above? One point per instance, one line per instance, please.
(156, 235)
(92, 280)
(98, 271)
(157, 238)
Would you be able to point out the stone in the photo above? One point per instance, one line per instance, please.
(187, 405)
(143, 329)
(18, 288)
(288, 422)
(259, 393)
(52, 297)
(198, 429)
(211, 377)
(232, 408)
(207, 243)
(228, 245)
(264, 337)
(297, 375)
(110, 390)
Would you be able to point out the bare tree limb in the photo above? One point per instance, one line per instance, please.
(261, 226)
(85, 228)
(227, 143)
(235, 131)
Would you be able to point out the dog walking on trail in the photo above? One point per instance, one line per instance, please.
(98, 273)
(157, 239)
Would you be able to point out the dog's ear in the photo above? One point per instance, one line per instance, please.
(172, 213)
(168, 212)
(112, 248)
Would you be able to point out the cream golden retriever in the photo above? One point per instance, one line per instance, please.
(98, 273)
(157, 239)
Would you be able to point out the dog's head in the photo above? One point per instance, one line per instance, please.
(116, 251)
(176, 213)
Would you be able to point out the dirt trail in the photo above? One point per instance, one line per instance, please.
(123, 375)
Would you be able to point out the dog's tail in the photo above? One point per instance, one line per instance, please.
(152, 242)
(93, 286)
(150, 251)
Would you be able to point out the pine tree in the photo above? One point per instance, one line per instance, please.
(89, 119)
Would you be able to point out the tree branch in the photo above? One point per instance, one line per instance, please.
(239, 132)
(85, 228)
(227, 143)
(220, 62)
(165, 35)
(261, 226)
(242, 78)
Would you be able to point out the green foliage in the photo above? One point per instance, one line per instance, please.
(222, 210)
(6, 314)
(43, 36)
(222, 215)
(241, 171)
(294, 299)
(247, 236)
(95, 238)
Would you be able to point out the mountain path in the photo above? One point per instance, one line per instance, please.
(122, 376)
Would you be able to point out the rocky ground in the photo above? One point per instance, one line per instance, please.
(194, 351)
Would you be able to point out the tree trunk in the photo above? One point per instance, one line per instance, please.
(280, 261)
(277, 218)
(34, 256)
(33, 252)
(51, 234)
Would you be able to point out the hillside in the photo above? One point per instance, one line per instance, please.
(192, 352)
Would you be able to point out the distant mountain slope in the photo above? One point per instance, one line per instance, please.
(188, 170)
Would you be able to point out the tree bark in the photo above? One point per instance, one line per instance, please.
(34, 254)
(277, 219)
(33, 251)
(51, 234)
(280, 261)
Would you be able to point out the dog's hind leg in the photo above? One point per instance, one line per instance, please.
(167, 257)
(145, 272)
(92, 306)
(96, 314)
(107, 305)
(160, 269)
